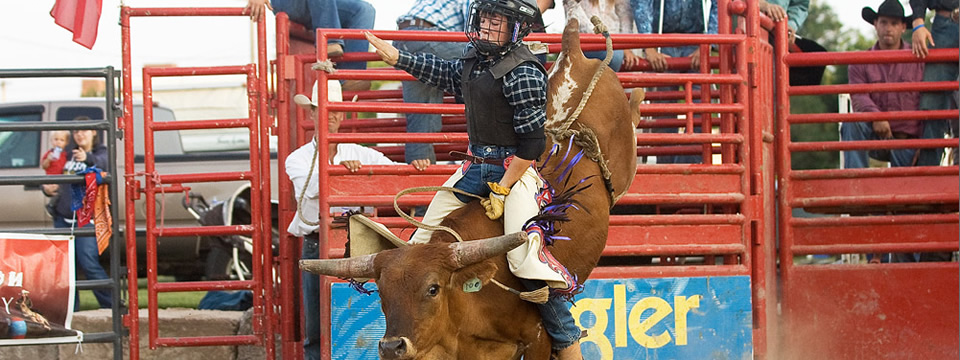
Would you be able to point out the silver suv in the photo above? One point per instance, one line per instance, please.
(177, 152)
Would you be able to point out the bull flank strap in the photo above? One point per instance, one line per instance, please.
(475, 159)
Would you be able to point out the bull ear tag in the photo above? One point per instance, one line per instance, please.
(472, 285)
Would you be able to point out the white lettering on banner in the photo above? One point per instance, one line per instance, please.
(6, 304)
(13, 278)
(624, 320)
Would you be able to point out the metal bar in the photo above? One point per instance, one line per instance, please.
(873, 200)
(644, 272)
(681, 250)
(873, 248)
(132, 319)
(631, 40)
(202, 124)
(266, 233)
(41, 180)
(205, 286)
(248, 230)
(57, 125)
(872, 144)
(197, 71)
(396, 107)
(233, 340)
(924, 219)
(191, 11)
(53, 73)
(874, 172)
(653, 138)
(672, 220)
(874, 116)
(872, 88)
(689, 109)
(95, 284)
(396, 138)
(872, 57)
(206, 177)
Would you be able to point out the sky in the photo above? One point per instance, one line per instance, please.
(29, 39)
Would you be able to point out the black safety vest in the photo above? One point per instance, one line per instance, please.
(489, 115)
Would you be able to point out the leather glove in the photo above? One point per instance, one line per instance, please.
(494, 204)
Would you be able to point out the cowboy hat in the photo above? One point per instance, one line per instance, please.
(333, 94)
(889, 8)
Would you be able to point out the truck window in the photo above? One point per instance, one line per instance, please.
(20, 149)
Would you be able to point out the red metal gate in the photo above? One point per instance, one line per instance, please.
(154, 183)
(856, 311)
(729, 231)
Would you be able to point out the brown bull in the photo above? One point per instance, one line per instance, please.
(429, 315)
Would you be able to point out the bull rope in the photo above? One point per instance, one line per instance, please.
(588, 138)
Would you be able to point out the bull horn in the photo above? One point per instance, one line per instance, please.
(571, 41)
(471, 252)
(358, 267)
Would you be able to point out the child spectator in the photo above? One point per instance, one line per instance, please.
(53, 160)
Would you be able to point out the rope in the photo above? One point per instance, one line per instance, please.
(421, 225)
(313, 163)
(325, 65)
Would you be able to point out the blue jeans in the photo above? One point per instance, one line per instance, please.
(556, 318)
(681, 51)
(418, 92)
(310, 288)
(616, 62)
(88, 260)
(858, 159)
(945, 34)
(477, 176)
(332, 14)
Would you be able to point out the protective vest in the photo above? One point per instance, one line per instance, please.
(489, 115)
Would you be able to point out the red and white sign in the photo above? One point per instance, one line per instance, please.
(37, 287)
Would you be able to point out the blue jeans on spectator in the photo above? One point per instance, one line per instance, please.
(332, 14)
(556, 317)
(417, 92)
(945, 34)
(858, 159)
(616, 62)
(677, 52)
(88, 260)
(310, 289)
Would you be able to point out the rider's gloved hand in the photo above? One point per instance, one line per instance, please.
(494, 205)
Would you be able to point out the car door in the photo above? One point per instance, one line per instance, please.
(20, 153)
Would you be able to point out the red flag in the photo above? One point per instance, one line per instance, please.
(81, 17)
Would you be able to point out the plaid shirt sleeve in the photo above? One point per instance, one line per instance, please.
(433, 71)
(525, 88)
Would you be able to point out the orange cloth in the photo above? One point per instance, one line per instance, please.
(102, 219)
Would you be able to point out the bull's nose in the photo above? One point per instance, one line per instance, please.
(394, 348)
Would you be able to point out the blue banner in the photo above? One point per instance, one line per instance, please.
(669, 318)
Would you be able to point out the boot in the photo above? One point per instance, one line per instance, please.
(571, 352)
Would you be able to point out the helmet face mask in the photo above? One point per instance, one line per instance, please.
(498, 26)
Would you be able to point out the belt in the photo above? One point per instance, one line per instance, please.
(415, 22)
(945, 12)
(475, 159)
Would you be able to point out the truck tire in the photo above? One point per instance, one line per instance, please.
(220, 264)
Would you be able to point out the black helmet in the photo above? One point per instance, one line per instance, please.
(520, 16)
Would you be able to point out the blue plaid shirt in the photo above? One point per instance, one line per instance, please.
(682, 16)
(447, 15)
(525, 87)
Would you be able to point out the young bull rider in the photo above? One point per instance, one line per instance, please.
(505, 92)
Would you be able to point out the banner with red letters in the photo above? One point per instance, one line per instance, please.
(37, 287)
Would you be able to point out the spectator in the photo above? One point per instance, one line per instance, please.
(305, 185)
(53, 161)
(795, 11)
(890, 24)
(505, 92)
(616, 15)
(943, 34)
(327, 14)
(429, 15)
(679, 17)
(87, 151)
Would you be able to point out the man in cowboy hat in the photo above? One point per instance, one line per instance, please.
(305, 185)
(890, 24)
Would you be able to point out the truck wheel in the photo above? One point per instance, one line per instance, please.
(220, 265)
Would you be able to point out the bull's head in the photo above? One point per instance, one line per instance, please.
(419, 284)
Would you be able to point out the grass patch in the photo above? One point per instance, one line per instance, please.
(188, 299)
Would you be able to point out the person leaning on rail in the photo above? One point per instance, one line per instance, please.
(305, 185)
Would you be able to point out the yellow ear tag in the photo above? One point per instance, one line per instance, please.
(472, 285)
